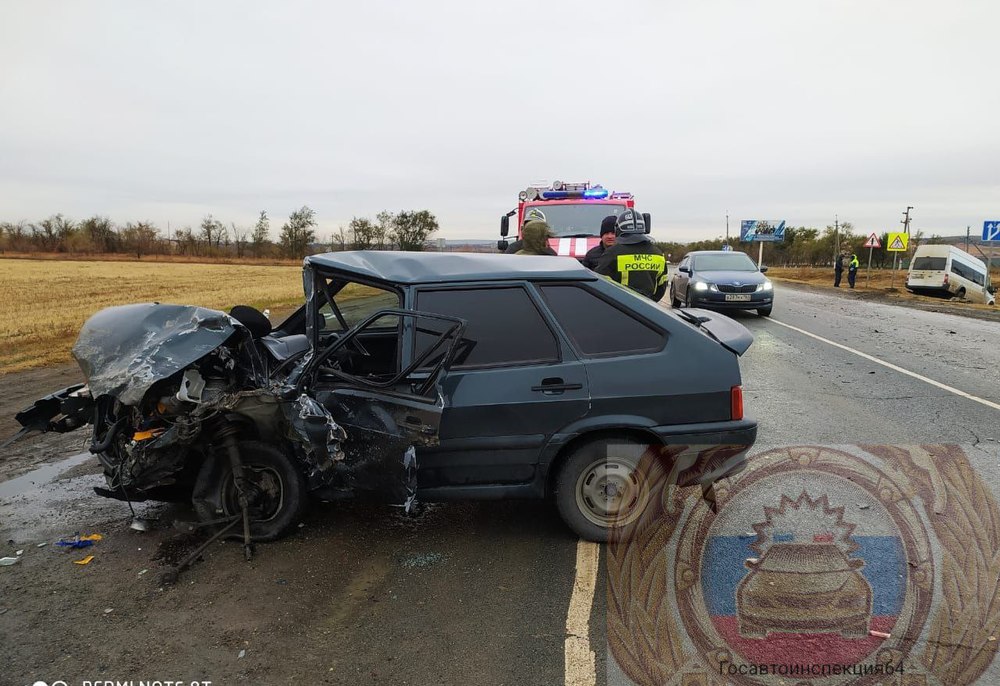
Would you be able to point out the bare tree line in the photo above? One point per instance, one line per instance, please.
(407, 230)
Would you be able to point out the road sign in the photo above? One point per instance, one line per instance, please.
(991, 230)
(873, 242)
(897, 242)
(725, 247)
(762, 230)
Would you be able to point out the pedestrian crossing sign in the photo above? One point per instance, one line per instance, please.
(897, 242)
(873, 241)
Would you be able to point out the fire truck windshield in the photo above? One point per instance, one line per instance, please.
(582, 219)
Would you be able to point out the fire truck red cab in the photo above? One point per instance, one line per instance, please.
(573, 211)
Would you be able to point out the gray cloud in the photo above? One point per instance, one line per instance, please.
(781, 109)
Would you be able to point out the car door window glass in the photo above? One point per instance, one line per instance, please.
(357, 302)
(596, 326)
(503, 326)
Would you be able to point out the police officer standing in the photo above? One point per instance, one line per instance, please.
(634, 261)
(852, 270)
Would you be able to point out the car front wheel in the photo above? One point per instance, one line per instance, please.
(601, 488)
(764, 311)
(276, 491)
(674, 300)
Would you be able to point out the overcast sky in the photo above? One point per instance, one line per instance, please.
(791, 109)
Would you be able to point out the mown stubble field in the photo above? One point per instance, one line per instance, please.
(43, 303)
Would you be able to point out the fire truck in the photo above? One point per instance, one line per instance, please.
(573, 212)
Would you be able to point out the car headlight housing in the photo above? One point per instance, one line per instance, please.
(766, 286)
(700, 286)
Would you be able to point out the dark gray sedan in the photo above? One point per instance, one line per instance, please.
(721, 280)
(426, 376)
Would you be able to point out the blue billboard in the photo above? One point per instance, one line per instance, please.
(762, 230)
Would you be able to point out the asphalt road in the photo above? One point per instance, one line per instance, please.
(803, 390)
(500, 593)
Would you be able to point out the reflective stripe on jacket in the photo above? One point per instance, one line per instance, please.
(637, 263)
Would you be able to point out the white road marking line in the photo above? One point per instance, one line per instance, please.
(870, 358)
(581, 665)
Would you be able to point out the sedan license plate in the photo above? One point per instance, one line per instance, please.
(737, 297)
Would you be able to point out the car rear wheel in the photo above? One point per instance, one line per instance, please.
(764, 311)
(275, 488)
(600, 487)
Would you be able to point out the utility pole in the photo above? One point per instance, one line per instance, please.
(895, 256)
(906, 227)
(836, 237)
(967, 230)
(727, 227)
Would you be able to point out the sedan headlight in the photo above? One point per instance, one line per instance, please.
(766, 286)
(700, 286)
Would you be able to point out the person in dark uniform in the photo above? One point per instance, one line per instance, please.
(608, 238)
(838, 270)
(634, 261)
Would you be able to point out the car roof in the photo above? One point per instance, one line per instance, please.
(717, 252)
(443, 267)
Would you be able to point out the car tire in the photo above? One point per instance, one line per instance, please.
(585, 477)
(674, 301)
(764, 311)
(281, 495)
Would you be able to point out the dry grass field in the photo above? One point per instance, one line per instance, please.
(169, 259)
(43, 303)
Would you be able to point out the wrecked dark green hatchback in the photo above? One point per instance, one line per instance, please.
(411, 376)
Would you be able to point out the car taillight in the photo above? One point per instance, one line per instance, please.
(736, 402)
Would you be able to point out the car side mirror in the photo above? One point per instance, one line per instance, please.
(646, 218)
(504, 227)
(763, 269)
(502, 245)
(684, 270)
